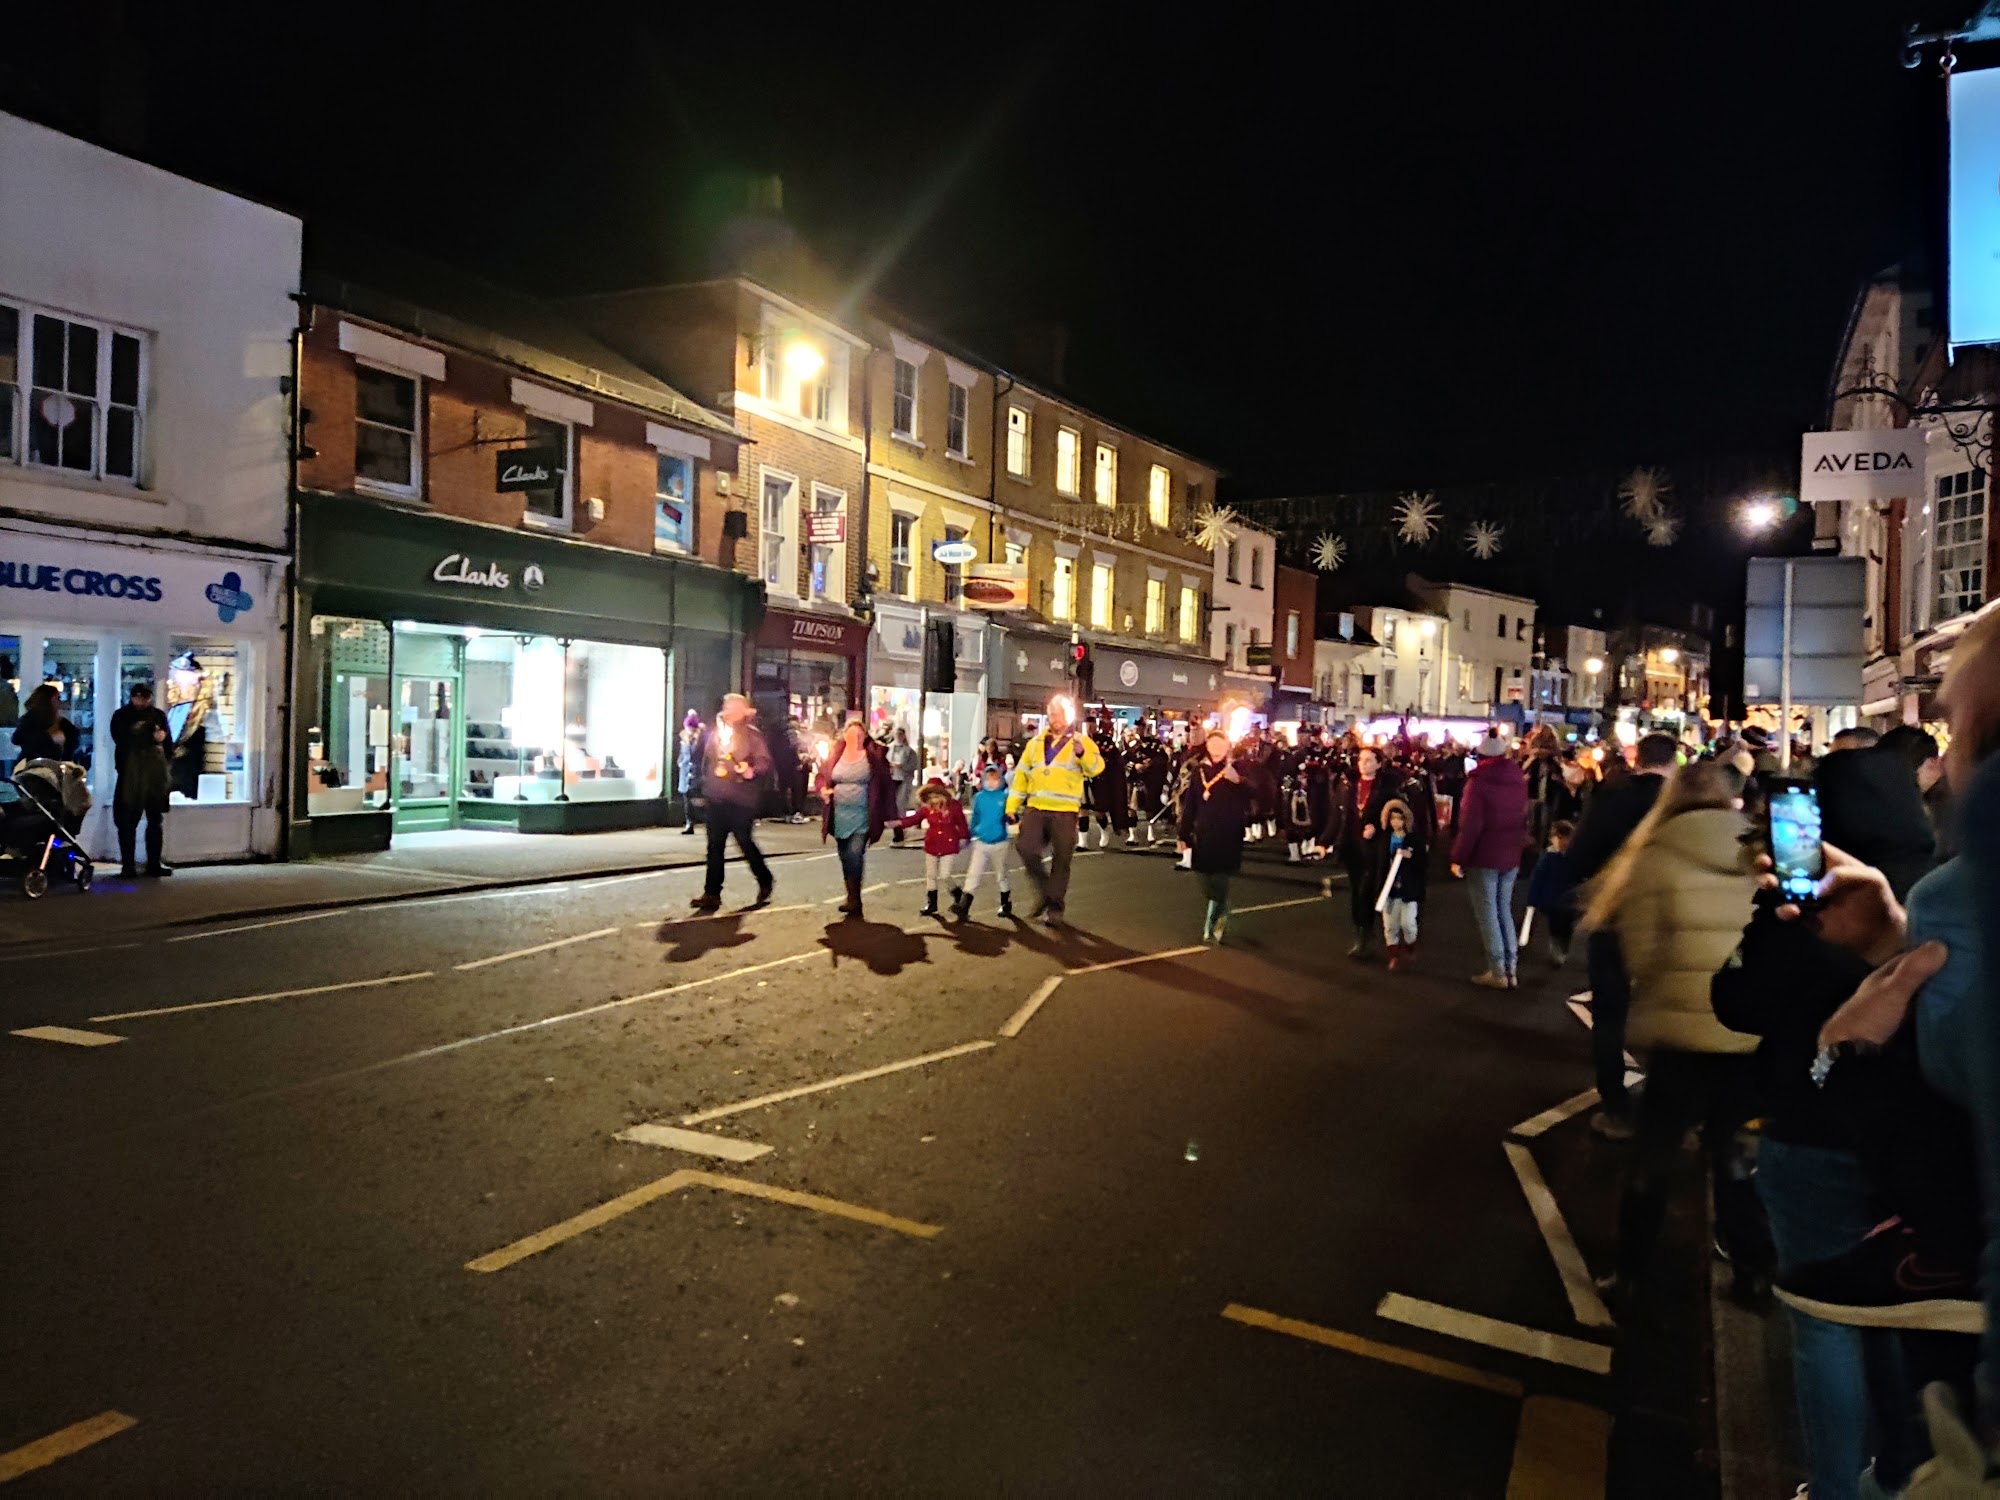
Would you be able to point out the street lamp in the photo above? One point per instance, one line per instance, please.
(1670, 654)
(1762, 515)
(803, 360)
(1593, 666)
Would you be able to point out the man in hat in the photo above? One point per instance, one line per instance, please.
(141, 741)
(735, 766)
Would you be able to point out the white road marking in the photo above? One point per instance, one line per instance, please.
(1582, 1013)
(1555, 1114)
(1237, 911)
(501, 958)
(719, 1112)
(714, 916)
(1582, 1291)
(675, 1139)
(66, 953)
(866, 890)
(394, 872)
(1139, 958)
(1026, 1013)
(311, 916)
(69, 1034)
(317, 989)
(1495, 1334)
(1581, 997)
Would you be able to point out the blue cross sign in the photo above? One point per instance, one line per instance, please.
(228, 597)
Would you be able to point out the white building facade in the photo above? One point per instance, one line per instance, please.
(146, 341)
(1244, 611)
(1489, 659)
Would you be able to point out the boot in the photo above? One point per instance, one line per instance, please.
(1006, 905)
(851, 908)
(128, 852)
(1291, 854)
(1395, 957)
(930, 904)
(961, 904)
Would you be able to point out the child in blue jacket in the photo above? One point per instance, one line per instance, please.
(1552, 891)
(989, 841)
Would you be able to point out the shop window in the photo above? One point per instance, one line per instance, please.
(347, 748)
(673, 503)
(72, 666)
(903, 401)
(1069, 461)
(386, 424)
(778, 542)
(1159, 497)
(550, 507)
(1190, 613)
(614, 721)
(957, 420)
(828, 562)
(204, 699)
(902, 554)
(86, 385)
(954, 573)
(1062, 606)
(1156, 606)
(10, 698)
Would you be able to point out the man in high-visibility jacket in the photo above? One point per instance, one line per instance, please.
(1048, 784)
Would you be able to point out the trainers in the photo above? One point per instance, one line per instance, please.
(1613, 1127)
(1221, 923)
(1490, 980)
(1885, 1282)
(1052, 914)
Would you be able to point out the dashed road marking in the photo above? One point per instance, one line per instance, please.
(317, 989)
(59, 1445)
(1349, 1343)
(1556, 1348)
(67, 1034)
(673, 1182)
(1137, 958)
(1026, 1013)
(722, 1111)
(1238, 911)
(673, 1138)
(1561, 1451)
(1582, 1291)
(501, 958)
(311, 916)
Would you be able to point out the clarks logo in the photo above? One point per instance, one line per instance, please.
(457, 568)
(1861, 463)
(525, 474)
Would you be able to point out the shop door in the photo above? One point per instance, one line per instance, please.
(430, 731)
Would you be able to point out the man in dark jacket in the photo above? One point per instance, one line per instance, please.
(1354, 819)
(141, 741)
(1614, 813)
(735, 767)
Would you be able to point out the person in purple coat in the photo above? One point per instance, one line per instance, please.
(1492, 831)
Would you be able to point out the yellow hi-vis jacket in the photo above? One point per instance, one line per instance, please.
(1054, 784)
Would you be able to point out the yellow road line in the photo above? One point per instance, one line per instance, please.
(317, 989)
(1026, 1013)
(702, 1117)
(72, 1439)
(673, 1182)
(1560, 1452)
(1237, 911)
(1389, 1354)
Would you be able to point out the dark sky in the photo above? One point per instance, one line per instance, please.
(1338, 253)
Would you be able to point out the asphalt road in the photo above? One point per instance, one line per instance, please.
(310, 1240)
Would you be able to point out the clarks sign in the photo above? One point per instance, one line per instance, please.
(518, 469)
(457, 568)
(1872, 464)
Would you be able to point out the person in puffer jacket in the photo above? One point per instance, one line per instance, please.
(1678, 895)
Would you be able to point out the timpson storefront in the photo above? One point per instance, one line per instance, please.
(806, 666)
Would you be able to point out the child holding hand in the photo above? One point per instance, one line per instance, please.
(989, 841)
(945, 833)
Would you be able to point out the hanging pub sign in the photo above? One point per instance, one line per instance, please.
(519, 469)
(996, 586)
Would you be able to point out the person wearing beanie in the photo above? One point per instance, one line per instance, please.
(687, 768)
(1492, 832)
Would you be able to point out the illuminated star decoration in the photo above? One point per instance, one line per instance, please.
(1482, 538)
(1214, 528)
(1416, 518)
(1329, 552)
(1645, 492)
(1663, 530)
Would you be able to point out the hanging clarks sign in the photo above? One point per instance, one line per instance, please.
(517, 469)
(1884, 463)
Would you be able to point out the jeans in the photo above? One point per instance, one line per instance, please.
(727, 820)
(853, 849)
(1610, 1005)
(1399, 923)
(1493, 909)
(1716, 1091)
(1056, 830)
(1820, 1203)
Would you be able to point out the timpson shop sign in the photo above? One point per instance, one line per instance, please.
(811, 633)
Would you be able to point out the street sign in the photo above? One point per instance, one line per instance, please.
(1870, 463)
(1257, 655)
(519, 469)
(1827, 599)
(954, 554)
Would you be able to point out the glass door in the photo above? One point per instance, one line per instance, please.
(429, 732)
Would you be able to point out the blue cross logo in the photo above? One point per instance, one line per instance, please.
(228, 597)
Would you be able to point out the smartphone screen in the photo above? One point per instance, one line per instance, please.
(1796, 858)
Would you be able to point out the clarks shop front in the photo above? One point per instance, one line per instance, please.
(455, 675)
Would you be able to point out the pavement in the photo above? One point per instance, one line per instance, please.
(546, 1187)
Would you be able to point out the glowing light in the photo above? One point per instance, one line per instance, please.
(1239, 724)
(1429, 628)
(803, 360)
(724, 735)
(1761, 515)
(1670, 655)
(822, 747)
(1594, 665)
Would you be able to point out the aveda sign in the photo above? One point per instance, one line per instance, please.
(1884, 463)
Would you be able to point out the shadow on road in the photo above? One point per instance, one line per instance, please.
(884, 948)
(688, 938)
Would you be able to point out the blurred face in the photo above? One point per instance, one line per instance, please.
(1218, 747)
(734, 711)
(992, 779)
(1396, 823)
(1370, 763)
(853, 734)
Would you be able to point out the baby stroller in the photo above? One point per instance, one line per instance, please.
(41, 813)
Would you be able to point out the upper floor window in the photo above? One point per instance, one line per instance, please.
(902, 554)
(1017, 441)
(957, 420)
(552, 505)
(1229, 645)
(1156, 606)
(1291, 634)
(1389, 633)
(778, 534)
(83, 406)
(388, 421)
(1229, 565)
(1104, 488)
(1159, 497)
(954, 573)
(1062, 604)
(1959, 551)
(1190, 612)
(1100, 596)
(1017, 554)
(1503, 627)
(1256, 567)
(1069, 461)
(903, 403)
(803, 373)
(673, 503)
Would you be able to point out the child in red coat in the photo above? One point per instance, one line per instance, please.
(945, 833)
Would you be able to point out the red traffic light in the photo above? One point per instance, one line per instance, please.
(1079, 652)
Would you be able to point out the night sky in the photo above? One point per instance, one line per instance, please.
(1348, 257)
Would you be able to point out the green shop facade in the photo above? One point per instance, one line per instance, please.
(454, 675)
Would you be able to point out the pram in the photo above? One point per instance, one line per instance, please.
(41, 813)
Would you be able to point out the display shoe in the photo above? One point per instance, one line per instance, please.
(1886, 1281)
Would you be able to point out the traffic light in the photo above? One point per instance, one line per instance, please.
(1083, 670)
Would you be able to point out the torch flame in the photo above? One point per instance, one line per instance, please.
(1239, 725)
(822, 747)
(723, 736)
